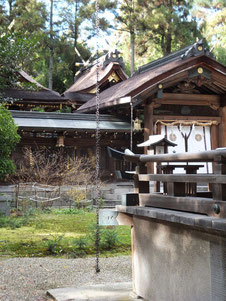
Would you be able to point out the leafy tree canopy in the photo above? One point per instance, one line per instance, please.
(8, 140)
(15, 51)
(212, 19)
(163, 25)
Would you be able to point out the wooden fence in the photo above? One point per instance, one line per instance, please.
(180, 190)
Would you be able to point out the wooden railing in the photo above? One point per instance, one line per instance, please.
(180, 190)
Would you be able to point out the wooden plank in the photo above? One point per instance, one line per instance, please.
(188, 99)
(187, 102)
(188, 204)
(205, 156)
(184, 178)
(179, 117)
(191, 97)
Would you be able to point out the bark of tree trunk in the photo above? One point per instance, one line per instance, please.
(132, 51)
(10, 2)
(51, 47)
(75, 36)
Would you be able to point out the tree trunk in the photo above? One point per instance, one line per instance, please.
(51, 47)
(168, 43)
(75, 35)
(10, 2)
(132, 52)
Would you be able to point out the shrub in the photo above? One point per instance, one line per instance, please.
(13, 222)
(54, 246)
(109, 238)
(8, 140)
(79, 248)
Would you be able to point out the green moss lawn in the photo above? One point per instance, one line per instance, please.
(60, 232)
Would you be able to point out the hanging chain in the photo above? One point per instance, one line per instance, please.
(131, 131)
(97, 243)
(131, 125)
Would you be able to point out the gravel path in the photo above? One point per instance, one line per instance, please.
(28, 279)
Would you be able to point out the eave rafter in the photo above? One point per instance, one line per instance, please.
(205, 79)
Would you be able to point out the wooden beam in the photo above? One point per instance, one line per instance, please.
(189, 204)
(212, 101)
(190, 97)
(179, 117)
(184, 178)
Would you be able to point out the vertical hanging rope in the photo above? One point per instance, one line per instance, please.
(97, 140)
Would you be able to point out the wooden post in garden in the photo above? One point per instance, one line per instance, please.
(17, 195)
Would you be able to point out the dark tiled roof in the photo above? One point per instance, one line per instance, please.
(87, 81)
(188, 51)
(78, 97)
(41, 94)
(146, 80)
(67, 121)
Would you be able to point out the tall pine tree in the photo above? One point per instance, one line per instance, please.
(163, 25)
(79, 17)
(212, 20)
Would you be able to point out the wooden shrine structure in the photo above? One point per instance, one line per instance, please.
(179, 235)
(111, 72)
(181, 96)
(74, 134)
(34, 96)
(178, 232)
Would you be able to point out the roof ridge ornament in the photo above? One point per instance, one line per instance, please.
(113, 57)
(197, 49)
(192, 50)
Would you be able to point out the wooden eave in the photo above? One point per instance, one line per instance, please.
(87, 81)
(146, 84)
(115, 68)
(77, 97)
(181, 73)
(39, 94)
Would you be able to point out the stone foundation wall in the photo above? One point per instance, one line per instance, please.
(173, 258)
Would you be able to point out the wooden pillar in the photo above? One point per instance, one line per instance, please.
(140, 186)
(148, 130)
(222, 128)
(148, 121)
(214, 133)
(219, 190)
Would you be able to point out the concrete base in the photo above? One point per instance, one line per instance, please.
(173, 258)
(101, 292)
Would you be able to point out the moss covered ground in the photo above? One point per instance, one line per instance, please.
(61, 233)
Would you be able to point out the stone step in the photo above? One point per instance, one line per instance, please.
(122, 190)
(101, 292)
